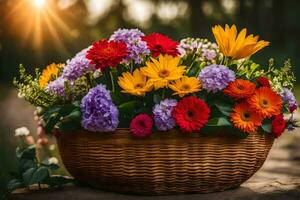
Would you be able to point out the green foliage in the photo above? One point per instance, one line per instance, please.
(219, 121)
(279, 77)
(128, 110)
(35, 173)
(267, 125)
(79, 87)
(224, 107)
(30, 90)
(247, 69)
(193, 70)
(64, 117)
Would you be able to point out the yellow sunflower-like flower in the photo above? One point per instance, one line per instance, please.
(163, 70)
(185, 85)
(235, 45)
(135, 84)
(49, 74)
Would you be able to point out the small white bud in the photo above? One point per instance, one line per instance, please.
(97, 74)
(20, 95)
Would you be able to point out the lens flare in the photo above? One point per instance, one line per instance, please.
(41, 22)
(39, 3)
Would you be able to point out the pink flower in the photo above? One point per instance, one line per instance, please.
(141, 125)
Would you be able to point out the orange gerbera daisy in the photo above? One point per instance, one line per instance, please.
(245, 118)
(266, 102)
(240, 88)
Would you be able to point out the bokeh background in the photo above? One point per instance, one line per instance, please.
(39, 32)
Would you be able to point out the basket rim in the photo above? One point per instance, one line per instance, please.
(122, 135)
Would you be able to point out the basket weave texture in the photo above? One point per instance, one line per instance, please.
(165, 163)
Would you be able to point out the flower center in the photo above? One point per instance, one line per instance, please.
(240, 87)
(190, 115)
(185, 87)
(138, 86)
(142, 124)
(264, 103)
(108, 50)
(246, 116)
(164, 73)
(158, 46)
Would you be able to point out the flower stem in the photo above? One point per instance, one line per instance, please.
(112, 81)
(131, 66)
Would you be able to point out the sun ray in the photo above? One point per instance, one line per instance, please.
(55, 35)
(36, 22)
(60, 23)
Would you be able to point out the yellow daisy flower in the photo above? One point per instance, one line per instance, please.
(185, 85)
(163, 70)
(135, 84)
(49, 74)
(235, 45)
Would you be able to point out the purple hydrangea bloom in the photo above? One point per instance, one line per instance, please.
(163, 114)
(77, 66)
(216, 77)
(288, 97)
(57, 87)
(98, 111)
(136, 47)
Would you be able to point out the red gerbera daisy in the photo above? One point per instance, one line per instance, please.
(191, 114)
(141, 125)
(161, 44)
(106, 53)
(278, 125)
(263, 81)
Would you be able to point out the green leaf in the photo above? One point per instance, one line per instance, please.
(50, 124)
(219, 121)
(15, 184)
(53, 119)
(77, 103)
(26, 153)
(193, 70)
(267, 125)
(40, 175)
(27, 176)
(118, 98)
(48, 113)
(75, 115)
(51, 166)
(157, 98)
(224, 108)
(26, 164)
(202, 95)
(128, 107)
(68, 126)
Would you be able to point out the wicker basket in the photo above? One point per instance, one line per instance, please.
(166, 163)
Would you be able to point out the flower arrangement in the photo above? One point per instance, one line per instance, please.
(151, 83)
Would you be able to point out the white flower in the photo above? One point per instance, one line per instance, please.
(23, 131)
(52, 160)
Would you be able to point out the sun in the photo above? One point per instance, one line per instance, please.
(40, 21)
(39, 3)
